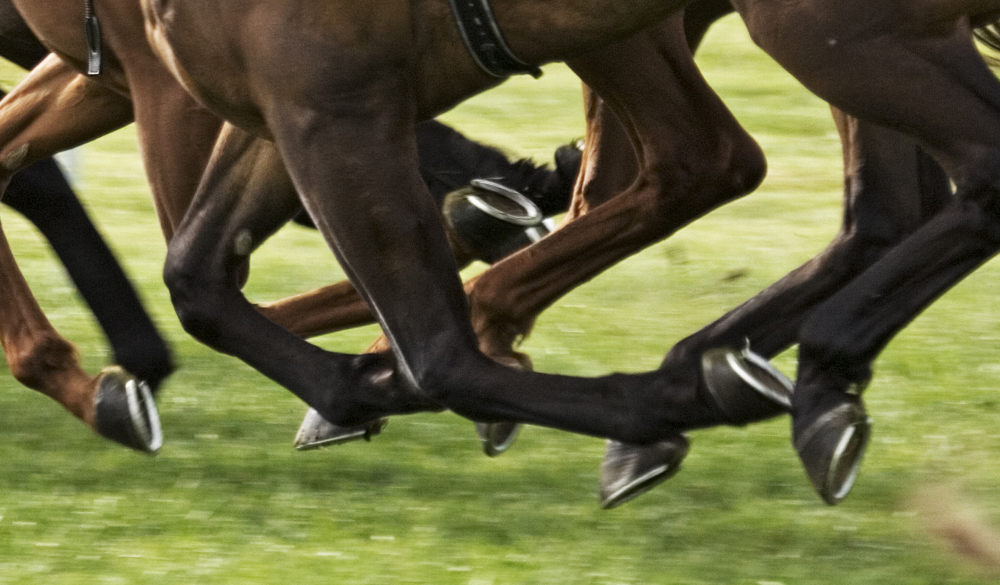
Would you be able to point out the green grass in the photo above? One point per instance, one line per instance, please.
(229, 501)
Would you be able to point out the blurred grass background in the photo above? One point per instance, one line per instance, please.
(229, 501)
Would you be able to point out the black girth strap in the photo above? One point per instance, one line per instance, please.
(93, 30)
(482, 37)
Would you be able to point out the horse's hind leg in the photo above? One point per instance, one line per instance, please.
(33, 126)
(883, 172)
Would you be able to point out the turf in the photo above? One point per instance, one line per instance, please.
(229, 501)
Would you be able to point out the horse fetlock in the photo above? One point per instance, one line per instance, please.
(823, 377)
(199, 315)
(826, 342)
(499, 343)
(36, 364)
(498, 332)
(150, 360)
(648, 411)
(378, 389)
(645, 428)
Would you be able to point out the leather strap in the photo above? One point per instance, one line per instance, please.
(485, 42)
(93, 30)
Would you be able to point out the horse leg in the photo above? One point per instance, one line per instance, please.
(37, 122)
(926, 74)
(244, 197)
(318, 312)
(41, 193)
(718, 161)
(344, 129)
(883, 170)
(693, 155)
(176, 136)
(269, 189)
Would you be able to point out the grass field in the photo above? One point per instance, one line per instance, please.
(229, 501)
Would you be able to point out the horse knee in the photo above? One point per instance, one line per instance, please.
(195, 298)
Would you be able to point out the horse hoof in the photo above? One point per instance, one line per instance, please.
(497, 437)
(493, 221)
(628, 471)
(316, 433)
(744, 386)
(832, 447)
(125, 411)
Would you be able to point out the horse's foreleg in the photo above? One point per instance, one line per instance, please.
(883, 172)
(891, 188)
(368, 200)
(114, 404)
(931, 82)
(244, 197)
(176, 136)
(324, 310)
(37, 355)
(693, 156)
(53, 109)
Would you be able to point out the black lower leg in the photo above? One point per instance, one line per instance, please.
(843, 336)
(42, 195)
